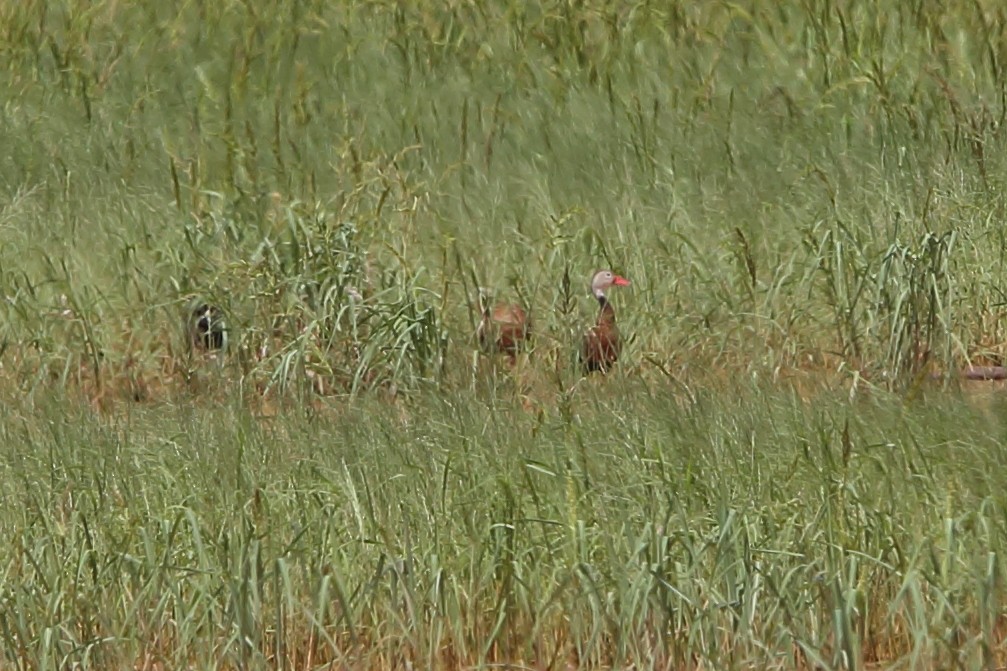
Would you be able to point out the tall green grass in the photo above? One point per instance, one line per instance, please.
(758, 532)
(806, 196)
(788, 186)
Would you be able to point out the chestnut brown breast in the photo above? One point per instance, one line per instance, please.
(601, 347)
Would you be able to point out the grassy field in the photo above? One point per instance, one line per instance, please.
(807, 196)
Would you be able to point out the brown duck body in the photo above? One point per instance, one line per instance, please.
(601, 347)
(505, 328)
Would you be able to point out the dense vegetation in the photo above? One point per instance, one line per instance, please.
(808, 198)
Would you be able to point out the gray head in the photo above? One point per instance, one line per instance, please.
(603, 280)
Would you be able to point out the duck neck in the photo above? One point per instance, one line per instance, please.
(606, 313)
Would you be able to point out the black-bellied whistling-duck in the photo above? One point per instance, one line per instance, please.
(206, 327)
(504, 328)
(601, 346)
